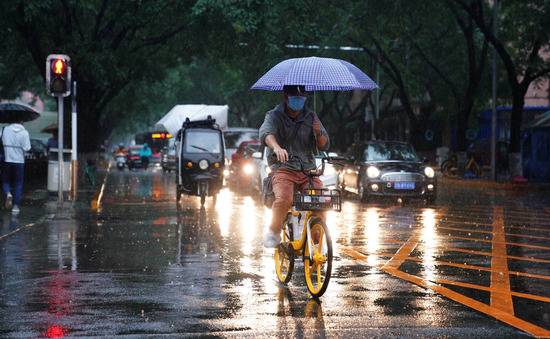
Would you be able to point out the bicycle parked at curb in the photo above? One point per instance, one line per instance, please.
(449, 167)
(305, 233)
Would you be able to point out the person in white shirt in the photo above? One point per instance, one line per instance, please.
(16, 141)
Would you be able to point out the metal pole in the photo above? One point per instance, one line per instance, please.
(377, 114)
(60, 149)
(494, 119)
(74, 157)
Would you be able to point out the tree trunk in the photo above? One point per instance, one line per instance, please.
(514, 158)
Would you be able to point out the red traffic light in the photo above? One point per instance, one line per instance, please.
(58, 67)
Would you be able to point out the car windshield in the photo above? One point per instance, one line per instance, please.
(202, 142)
(234, 139)
(389, 152)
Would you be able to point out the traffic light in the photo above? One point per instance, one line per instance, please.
(58, 75)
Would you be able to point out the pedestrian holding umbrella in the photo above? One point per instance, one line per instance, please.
(290, 127)
(15, 142)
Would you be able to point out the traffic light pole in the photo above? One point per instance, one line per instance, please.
(60, 149)
(74, 158)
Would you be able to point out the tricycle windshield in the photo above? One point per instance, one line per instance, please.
(390, 152)
(202, 141)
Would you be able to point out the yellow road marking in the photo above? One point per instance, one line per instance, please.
(498, 314)
(360, 256)
(490, 232)
(96, 201)
(402, 253)
(540, 247)
(17, 230)
(447, 221)
(488, 289)
(501, 298)
(488, 254)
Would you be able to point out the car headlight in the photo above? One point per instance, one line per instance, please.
(203, 164)
(429, 172)
(248, 169)
(329, 170)
(373, 172)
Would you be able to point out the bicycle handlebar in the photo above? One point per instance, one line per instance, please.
(317, 172)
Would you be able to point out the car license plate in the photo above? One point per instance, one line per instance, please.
(404, 185)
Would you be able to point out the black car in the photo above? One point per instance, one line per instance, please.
(388, 169)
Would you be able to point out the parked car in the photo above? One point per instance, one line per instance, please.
(134, 160)
(234, 136)
(388, 169)
(329, 178)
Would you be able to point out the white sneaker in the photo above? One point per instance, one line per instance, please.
(15, 209)
(271, 239)
(9, 201)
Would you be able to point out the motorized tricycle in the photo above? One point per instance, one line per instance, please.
(200, 159)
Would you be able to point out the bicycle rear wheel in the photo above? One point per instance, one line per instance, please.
(318, 268)
(284, 255)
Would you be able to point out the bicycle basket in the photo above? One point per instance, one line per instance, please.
(318, 200)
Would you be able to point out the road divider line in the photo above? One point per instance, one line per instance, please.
(96, 201)
(501, 296)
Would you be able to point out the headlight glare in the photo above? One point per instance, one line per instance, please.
(248, 169)
(430, 173)
(203, 164)
(373, 172)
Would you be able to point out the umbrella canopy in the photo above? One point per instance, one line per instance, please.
(173, 120)
(316, 74)
(11, 112)
(51, 128)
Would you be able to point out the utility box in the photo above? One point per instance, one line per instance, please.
(53, 169)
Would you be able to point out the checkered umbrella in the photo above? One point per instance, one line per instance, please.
(316, 74)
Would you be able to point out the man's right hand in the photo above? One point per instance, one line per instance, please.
(281, 153)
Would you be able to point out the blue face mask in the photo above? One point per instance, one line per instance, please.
(296, 103)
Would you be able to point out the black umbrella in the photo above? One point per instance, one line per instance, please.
(11, 112)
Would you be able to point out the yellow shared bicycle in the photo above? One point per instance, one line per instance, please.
(305, 233)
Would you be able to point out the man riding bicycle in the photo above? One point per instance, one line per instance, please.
(290, 128)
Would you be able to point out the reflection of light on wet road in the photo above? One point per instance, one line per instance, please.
(348, 216)
(372, 232)
(247, 225)
(430, 242)
(224, 209)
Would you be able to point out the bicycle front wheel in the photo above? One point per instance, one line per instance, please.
(318, 265)
(284, 255)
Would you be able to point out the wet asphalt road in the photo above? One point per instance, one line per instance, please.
(142, 266)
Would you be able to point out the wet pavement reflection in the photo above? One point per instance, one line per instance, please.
(144, 265)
